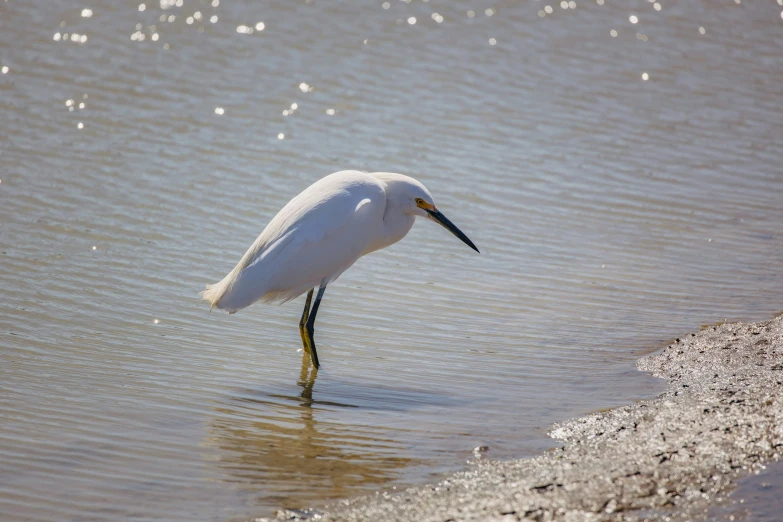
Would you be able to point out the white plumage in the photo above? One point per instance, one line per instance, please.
(320, 233)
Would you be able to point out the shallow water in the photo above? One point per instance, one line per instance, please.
(757, 498)
(613, 213)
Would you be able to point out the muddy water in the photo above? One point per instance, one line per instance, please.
(623, 190)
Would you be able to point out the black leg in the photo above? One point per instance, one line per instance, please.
(305, 313)
(310, 325)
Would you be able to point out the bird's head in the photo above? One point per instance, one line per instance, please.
(413, 198)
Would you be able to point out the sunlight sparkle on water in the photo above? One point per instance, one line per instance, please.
(280, 136)
(260, 26)
(4, 69)
(471, 14)
(86, 13)
(657, 6)
(645, 76)
(412, 20)
(330, 112)
(489, 12)
(613, 33)
(492, 41)
(633, 19)
(305, 87)
(142, 7)
(219, 111)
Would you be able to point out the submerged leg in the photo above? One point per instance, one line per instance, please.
(303, 320)
(310, 325)
(307, 380)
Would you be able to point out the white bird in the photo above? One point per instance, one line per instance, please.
(319, 234)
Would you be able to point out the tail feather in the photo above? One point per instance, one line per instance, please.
(214, 293)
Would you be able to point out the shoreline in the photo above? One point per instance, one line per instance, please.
(673, 457)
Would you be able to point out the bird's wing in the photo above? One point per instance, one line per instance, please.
(314, 238)
(326, 207)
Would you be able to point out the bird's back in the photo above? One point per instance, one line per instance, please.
(313, 239)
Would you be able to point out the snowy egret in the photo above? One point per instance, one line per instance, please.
(319, 234)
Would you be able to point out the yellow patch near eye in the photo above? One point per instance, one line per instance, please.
(423, 204)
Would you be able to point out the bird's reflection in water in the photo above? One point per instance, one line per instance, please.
(295, 451)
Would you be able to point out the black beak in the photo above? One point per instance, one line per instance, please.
(451, 227)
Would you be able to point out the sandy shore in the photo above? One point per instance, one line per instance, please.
(675, 456)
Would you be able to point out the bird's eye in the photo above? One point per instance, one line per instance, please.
(419, 201)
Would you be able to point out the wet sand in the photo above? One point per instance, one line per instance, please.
(675, 456)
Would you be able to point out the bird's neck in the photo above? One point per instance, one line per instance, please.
(394, 227)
